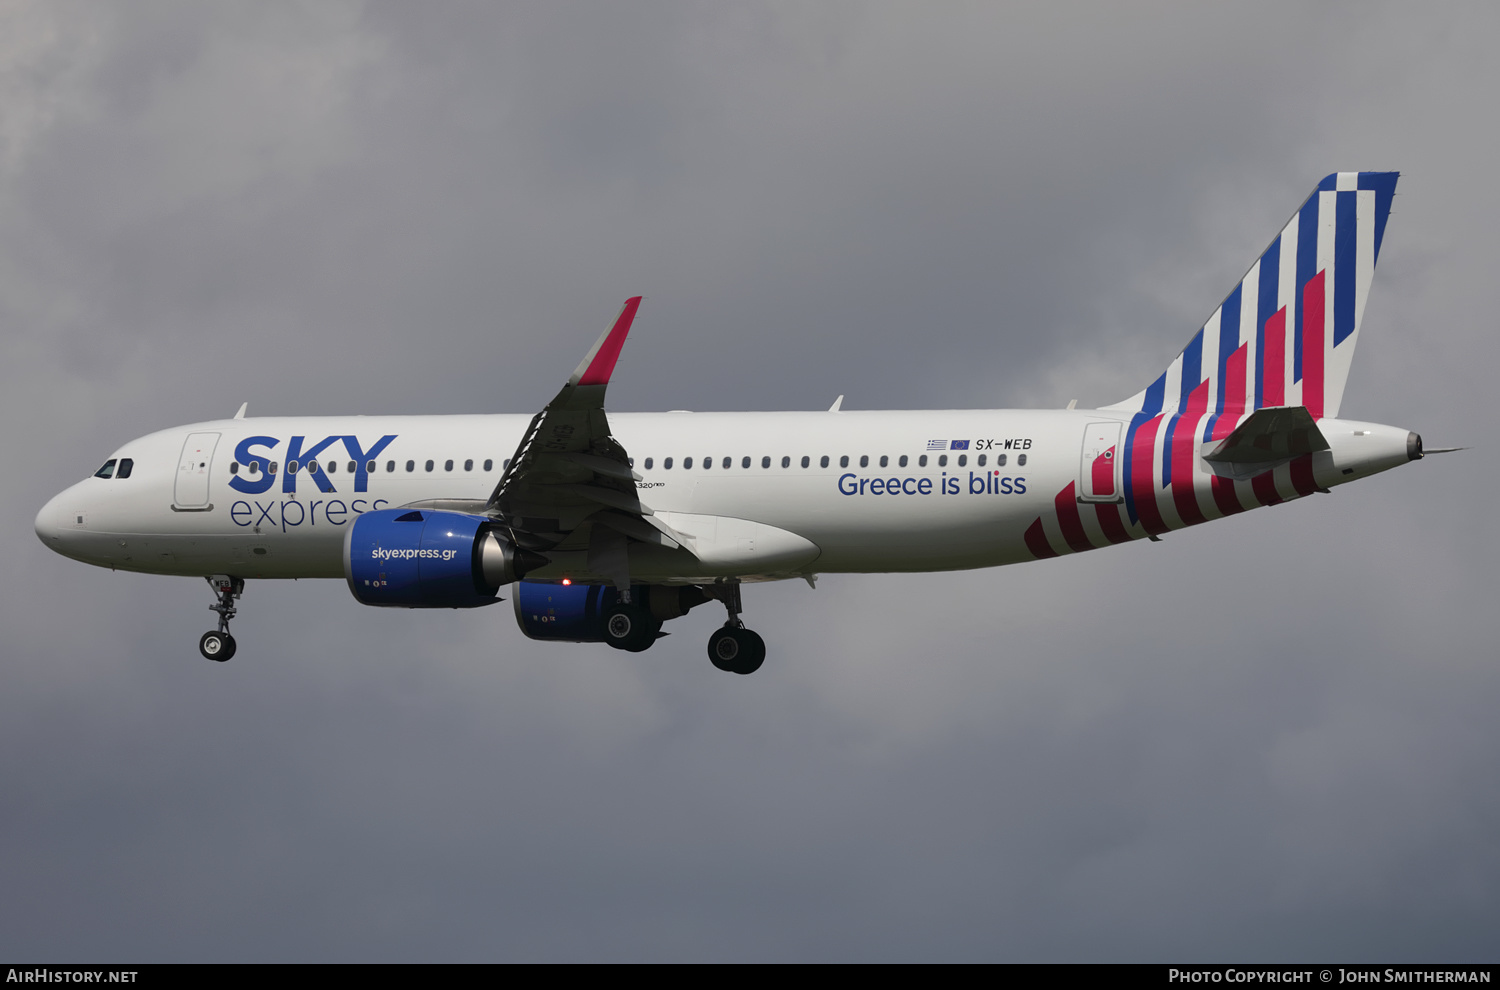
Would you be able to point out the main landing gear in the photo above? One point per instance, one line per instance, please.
(219, 645)
(734, 648)
(630, 627)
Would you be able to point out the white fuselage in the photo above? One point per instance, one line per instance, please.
(202, 511)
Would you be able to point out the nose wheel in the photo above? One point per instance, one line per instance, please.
(218, 644)
(733, 648)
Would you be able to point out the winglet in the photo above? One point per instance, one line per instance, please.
(599, 363)
(243, 406)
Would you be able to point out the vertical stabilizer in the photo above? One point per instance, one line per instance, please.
(1285, 336)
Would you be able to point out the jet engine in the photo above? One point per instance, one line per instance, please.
(579, 613)
(425, 559)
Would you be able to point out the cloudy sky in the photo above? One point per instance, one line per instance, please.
(1272, 738)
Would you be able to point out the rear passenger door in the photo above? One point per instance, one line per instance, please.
(1099, 467)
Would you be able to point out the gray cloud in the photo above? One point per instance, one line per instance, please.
(1269, 738)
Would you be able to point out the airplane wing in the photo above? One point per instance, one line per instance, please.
(569, 485)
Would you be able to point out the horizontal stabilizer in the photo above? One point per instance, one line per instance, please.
(1275, 434)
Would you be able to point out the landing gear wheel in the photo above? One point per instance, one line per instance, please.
(736, 650)
(628, 628)
(216, 646)
(724, 649)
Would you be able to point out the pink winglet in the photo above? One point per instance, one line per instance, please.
(601, 363)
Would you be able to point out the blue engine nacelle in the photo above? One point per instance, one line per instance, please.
(576, 613)
(570, 612)
(422, 559)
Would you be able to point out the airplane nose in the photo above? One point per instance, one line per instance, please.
(50, 524)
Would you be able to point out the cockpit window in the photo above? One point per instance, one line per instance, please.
(126, 466)
(107, 471)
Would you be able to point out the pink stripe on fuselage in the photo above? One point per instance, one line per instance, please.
(1184, 453)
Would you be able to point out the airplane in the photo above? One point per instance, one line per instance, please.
(605, 525)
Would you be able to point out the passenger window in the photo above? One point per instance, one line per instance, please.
(507, 463)
(333, 467)
(234, 468)
(107, 471)
(823, 462)
(648, 464)
(687, 463)
(666, 465)
(981, 460)
(942, 460)
(370, 466)
(312, 467)
(884, 460)
(902, 462)
(352, 467)
(469, 465)
(844, 461)
(1020, 460)
(411, 466)
(963, 460)
(922, 461)
(429, 465)
(291, 467)
(448, 465)
(708, 462)
(864, 460)
(728, 463)
(786, 462)
(745, 462)
(254, 468)
(806, 460)
(765, 462)
(126, 466)
(489, 465)
(271, 468)
(1000, 459)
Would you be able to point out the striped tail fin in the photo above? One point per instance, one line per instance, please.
(1285, 336)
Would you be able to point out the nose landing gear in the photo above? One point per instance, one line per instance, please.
(218, 644)
(733, 648)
